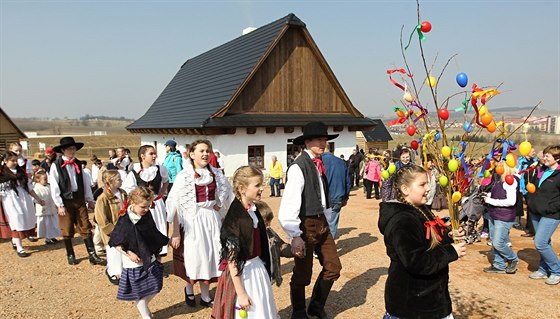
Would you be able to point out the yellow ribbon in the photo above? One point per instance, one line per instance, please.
(427, 138)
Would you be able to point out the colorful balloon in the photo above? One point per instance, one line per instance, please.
(509, 179)
(487, 173)
(499, 170)
(482, 110)
(467, 126)
(486, 119)
(456, 197)
(443, 113)
(411, 129)
(400, 113)
(408, 97)
(443, 180)
(446, 151)
(243, 313)
(431, 81)
(531, 188)
(453, 165)
(491, 127)
(426, 27)
(525, 148)
(462, 79)
(414, 145)
(392, 168)
(510, 160)
(385, 174)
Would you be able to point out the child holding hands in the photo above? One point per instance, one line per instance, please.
(420, 247)
(47, 217)
(137, 238)
(244, 284)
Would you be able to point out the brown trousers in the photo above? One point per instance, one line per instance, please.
(76, 215)
(317, 237)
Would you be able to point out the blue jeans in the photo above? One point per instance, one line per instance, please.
(333, 222)
(499, 232)
(274, 182)
(544, 228)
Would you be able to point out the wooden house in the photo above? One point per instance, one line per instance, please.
(377, 138)
(9, 132)
(251, 96)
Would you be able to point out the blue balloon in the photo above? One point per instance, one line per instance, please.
(462, 79)
(467, 127)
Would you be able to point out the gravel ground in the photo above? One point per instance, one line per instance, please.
(45, 286)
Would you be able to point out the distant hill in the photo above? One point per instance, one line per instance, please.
(80, 126)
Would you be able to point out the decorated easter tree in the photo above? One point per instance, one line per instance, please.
(427, 125)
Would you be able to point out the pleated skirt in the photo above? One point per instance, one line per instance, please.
(136, 283)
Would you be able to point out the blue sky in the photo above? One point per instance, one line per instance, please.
(71, 58)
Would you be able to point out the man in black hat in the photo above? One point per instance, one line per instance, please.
(302, 216)
(70, 189)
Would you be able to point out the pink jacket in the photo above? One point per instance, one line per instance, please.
(372, 171)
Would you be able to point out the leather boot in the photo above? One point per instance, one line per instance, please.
(93, 258)
(70, 252)
(319, 298)
(297, 297)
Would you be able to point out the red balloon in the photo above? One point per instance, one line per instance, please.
(426, 26)
(414, 145)
(411, 129)
(443, 113)
(509, 179)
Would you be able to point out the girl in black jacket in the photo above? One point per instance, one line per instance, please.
(420, 247)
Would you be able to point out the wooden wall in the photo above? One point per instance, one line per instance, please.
(8, 133)
(290, 80)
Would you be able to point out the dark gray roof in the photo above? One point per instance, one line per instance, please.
(281, 120)
(205, 83)
(380, 133)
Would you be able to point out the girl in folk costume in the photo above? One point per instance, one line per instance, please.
(420, 247)
(148, 173)
(245, 281)
(25, 164)
(108, 206)
(16, 193)
(197, 203)
(135, 235)
(47, 217)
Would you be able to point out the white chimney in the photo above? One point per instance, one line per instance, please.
(248, 30)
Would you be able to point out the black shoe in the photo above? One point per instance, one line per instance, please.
(512, 267)
(23, 254)
(299, 315)
(494, 270)
(527, 235)
(189, 299)
(32, 239)
(113, 279)
(94, 259)
(54, 240)
(319, 313)
(49, 242)
(72, 260)
(208, 304)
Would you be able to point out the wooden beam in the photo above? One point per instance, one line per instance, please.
(338, 128)
(271, 130)
(251, 130)
(289, 129)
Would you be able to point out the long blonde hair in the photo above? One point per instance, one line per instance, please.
(406, 176)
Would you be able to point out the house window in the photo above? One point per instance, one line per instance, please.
(256, 155)
(331, 147)
(291, 152)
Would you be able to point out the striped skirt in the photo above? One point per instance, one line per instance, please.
(136, 283)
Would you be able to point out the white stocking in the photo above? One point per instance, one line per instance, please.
(204, 291)
(17, 242)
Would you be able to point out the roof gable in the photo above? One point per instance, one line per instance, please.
(9, 128)
(379, 133)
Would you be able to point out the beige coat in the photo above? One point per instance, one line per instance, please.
(107, 210)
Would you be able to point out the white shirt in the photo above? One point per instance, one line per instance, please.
(511, 196)
(288, 215)
(55, 189)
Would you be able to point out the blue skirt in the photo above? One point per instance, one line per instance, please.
(136, 283)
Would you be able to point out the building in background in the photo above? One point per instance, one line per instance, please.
(9, 132)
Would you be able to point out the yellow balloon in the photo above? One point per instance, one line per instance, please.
(525, 148)
(446, 151)
(453, 165)
(431, 81)
(456, 197)
(510, 160)
(482, 110)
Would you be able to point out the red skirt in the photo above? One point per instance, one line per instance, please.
(224, 299)
(7, 233)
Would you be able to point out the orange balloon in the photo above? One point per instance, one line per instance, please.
(491, 127)
(499, 169)
(531, 188)
(486, 119)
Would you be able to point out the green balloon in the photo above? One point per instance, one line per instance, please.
(384, 174)
(453, 165)
(242, 313)
(392, 168)
(486, 173)
(443, 180)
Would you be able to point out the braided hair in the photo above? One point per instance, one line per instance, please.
(406, 176)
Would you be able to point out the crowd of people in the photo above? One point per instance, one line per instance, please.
(219, 231)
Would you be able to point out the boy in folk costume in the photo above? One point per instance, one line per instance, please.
(302, 216)
(71, 192)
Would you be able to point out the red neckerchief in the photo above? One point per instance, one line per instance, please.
(154, 201)
(71, 162)
(320, 166)
(438, 225)
(124, 209)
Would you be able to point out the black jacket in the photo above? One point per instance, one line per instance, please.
(417, 285)
(546, 200)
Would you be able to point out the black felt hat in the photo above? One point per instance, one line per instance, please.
(313, 130)
(65, 142)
